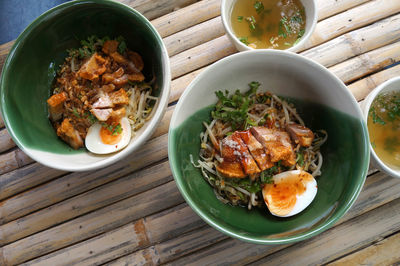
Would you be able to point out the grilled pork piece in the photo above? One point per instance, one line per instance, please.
(300, 134)
(119, 97)
(277, 144)
(110, 46)
(242, 153)
(103, 101)
(231, 166)
(56, 105)
(110, 77)
(257, 150)
(102, 114)
(93, 67)
(238, 161)
(69, 134)
(136, 59)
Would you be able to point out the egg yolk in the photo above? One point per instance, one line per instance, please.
(107, 136)
(281, 197)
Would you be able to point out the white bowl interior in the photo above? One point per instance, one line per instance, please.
(310, 7)
(280, 72)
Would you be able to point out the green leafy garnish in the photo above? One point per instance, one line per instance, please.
(244, 40)
(233, 108)
(240, 18)
(76, 113)
(284, 28)
(375, 117)
(252, 22)
(296, 19)
(259, 7)
(92, 119)
(114, 129)
(300, 158)
(122, 45)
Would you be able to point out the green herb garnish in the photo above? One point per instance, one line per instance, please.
(76, 113)
(240, 18)
(259, 7)
(375, 117)
(233, 108)
(244, 40)
(122, 45)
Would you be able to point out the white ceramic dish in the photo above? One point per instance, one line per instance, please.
(388, 86)
(310, 7)
(322, 100)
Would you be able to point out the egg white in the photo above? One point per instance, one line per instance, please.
(303, 200)
(93, 140)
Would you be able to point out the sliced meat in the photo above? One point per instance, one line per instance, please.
(108, 88)
(92, 68)
(110, 77)
(69, 134)
(257, 150)
(103, 101)
(56, 105)
(102, 114)
(136, 77)
(110, 46)
(136, 59)
(119, 82)
(117, 114)
(300, 134)
(119, 97)
(277, 144)
(242, 153)
(230, 167)
(119, 58)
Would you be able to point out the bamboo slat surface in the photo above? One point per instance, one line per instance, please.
(132, 213)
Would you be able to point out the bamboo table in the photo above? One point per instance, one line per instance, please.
(132, 212)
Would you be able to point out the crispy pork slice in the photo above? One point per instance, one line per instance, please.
(249, 165)
(102, 114)
(118, 113)
(110, 46)
(231, 166)
(136, 77)
(277, 143)
(257, 150)
(92, 68)
(56, 105)
(119, 97)
(110, 77)
(103, 101)
(300, 134)
(136, 59)
(69, 134)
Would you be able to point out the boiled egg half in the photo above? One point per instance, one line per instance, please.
(101, 140)
(290, 193)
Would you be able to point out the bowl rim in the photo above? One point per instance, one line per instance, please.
(366, 106)
(151, 125)
(258, 240)
(295, 48)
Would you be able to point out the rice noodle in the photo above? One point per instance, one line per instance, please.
(234, 191)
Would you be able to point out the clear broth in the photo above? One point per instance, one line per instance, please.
(277, 24)
(384, 128)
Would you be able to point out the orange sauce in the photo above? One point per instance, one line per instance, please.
(107, 136)
(277, 24)
(281, 196)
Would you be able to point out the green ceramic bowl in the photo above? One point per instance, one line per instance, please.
(32, 63)
(322, 100)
